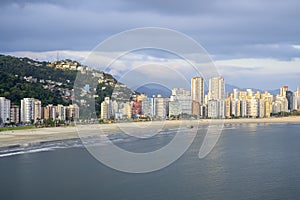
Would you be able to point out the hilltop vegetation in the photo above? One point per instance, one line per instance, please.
(15, 89)
(39, 70)
(24, 77)
(14, 86)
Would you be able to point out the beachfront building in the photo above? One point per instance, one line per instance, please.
(216, 98)
(228, 107)
(280, 105)
(15, 114)
(127, 110)
(155, 107)
(180, 102)
(49, 112)
(295, 101)
(4, 110)
(137, 108)
(249, 104)
(72, 112)
(174, 107)
(216, 88)
(216, 109)
(297, 94)
(262, 109)
(61, 112)
(283, 90)
(106, 109)
(148, 107)
(161, 107)
(254, 107)
(197, 88)
(31, 110)
(235, 107)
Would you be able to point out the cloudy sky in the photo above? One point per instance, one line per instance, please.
(253, 43)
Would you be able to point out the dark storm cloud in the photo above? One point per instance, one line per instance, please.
(227, 29)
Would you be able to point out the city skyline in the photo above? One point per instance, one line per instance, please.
(214, 104)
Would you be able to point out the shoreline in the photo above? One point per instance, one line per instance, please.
(35, 136)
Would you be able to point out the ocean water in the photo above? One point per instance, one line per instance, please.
(250, 161)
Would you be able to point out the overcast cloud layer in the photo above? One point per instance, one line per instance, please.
(236, 31)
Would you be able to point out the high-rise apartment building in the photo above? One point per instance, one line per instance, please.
(184, 99)
(174, 107)
(30, 110)
(4, 110)
(254, 107)
(161, 107)
(228, 110)
(197, 87)
(216, 88)
(15, 114)
(283, 90)
(106, 110)
(236, 94)
(236, 108)
(148, 107)
(198, 97)
(216, 109)
(262, 108)
(61, 112)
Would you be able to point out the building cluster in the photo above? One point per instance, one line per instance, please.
(31, 111)
(65, 65)
(215, 104)
(250, 104)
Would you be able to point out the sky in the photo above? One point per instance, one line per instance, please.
(252, 43)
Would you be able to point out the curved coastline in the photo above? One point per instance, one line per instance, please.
(36, 136)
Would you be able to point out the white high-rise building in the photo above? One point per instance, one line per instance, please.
(37, 110)
(244, 106)
(30, 110)
(236, 94)
(249, 92)
(236, 107)
(180, 92)
(174, 107)
(184, 100)
(262, 108)
(297, 97)
(254, 107)
(222, 108)
(4, 110)
(148, 107)
(295, 101)
(198, 90)
(216, 109)
(213, 108)
(280, 104)
(161, 107)
(216, 88)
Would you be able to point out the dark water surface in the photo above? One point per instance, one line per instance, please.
(250, 161)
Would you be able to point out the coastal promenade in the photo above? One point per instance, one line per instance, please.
(35, 136)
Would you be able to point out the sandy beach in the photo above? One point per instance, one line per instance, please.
(39, 135)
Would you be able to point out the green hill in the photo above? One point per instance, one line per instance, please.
(15, 89)
(51, 83)
(24, 77)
